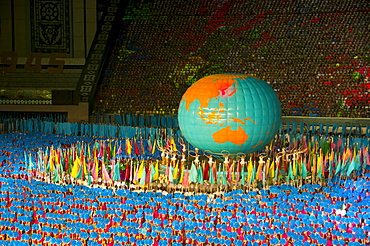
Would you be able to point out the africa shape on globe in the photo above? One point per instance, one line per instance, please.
(229, 112)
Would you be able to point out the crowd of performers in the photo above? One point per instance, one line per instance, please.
(294, 159)
(69, 190)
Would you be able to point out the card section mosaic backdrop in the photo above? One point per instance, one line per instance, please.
(315, 54)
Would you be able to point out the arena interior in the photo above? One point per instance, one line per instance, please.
(91, 148)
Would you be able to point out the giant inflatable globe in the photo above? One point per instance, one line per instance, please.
(229, 112)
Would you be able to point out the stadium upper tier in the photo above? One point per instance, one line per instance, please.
(315, 54)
